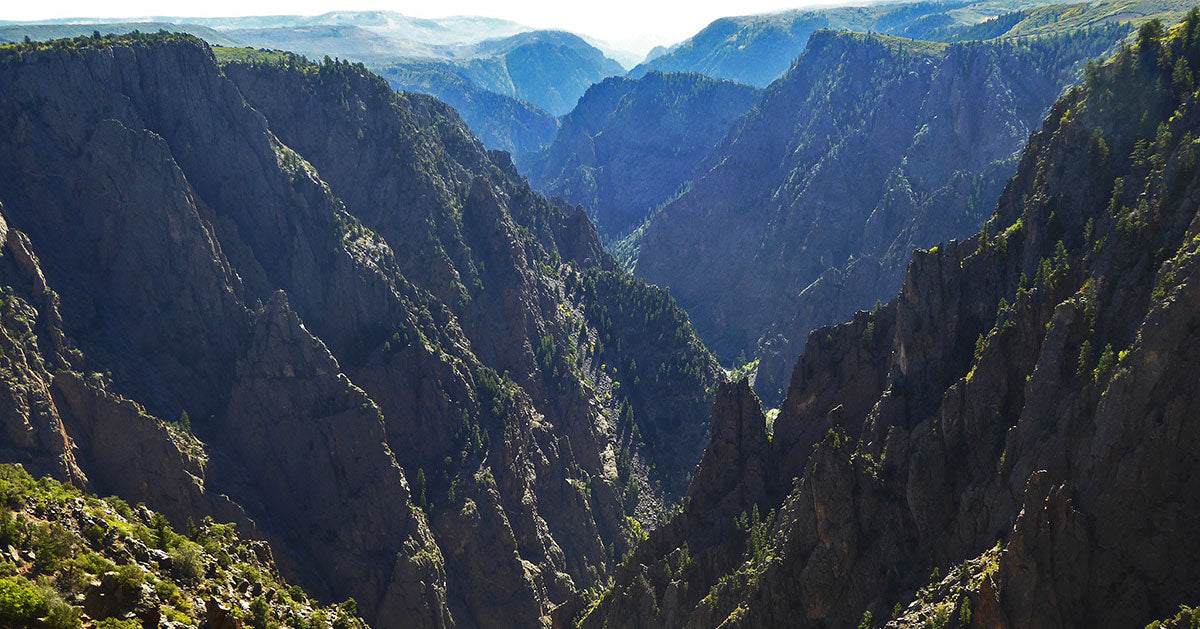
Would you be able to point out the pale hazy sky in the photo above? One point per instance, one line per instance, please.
(633, 24)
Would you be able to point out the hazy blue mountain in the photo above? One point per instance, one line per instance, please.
(368, 36)
(550, 69)
(439, 31)
(390, 24)
(340, 41)
(757, 49)
(501, 122)
(508, 88)
(14, 32)
(631, 144)
(359, 35)
(655, 53)
(627, 58)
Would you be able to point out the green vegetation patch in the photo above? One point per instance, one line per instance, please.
(72, 549)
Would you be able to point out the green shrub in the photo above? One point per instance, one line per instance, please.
(13, 529)
(176, 616)
(20, 602)
(130, 578)
(93, 533)
(165, 590)
(757, 529)
(71, 578)
(941, 616)
(260, 613)
(1085, 359)
(187, 561)
(92, 563)
(120, 506)
(1107, 361)
(60, 614)
(347, 615)
(113, 623)
(163, 537)
(52, 543)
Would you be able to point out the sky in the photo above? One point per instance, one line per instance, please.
(635, 25)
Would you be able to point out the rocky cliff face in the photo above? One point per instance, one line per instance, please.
(887, 145)
(630, 145)
(371, 343)
(1009, 442)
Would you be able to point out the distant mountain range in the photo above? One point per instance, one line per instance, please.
(508, 90)
(508, 81)
(12, 33)
(398, 34)
(550, 69)
(757, 49)
(407, 33)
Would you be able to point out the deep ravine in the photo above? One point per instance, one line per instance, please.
(280, 294)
